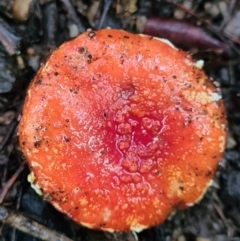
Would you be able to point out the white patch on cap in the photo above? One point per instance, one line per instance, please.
(106, 215)
(57, 206)
(137, 227)
(201, 195)
(88, 225)
(199, 64)
(31, 178)
(166, 41)
(110, 230)
(163, 40)
(201, 96)
(36, 164)
(215, 96)
(222, 144)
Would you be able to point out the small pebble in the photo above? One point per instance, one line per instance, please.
(20, 9)
(221, 237)
(92, 12)
(231, 142)
(231, 187)
(202, 239)
(223, 6)
(232, 29)
(222, 163)
(179, 13)
(140, 23)
(20, 63)
(30, 51)
(34, 62)
(233, 155)
(181, 238)
(73, 30)
(212, 9)
(130, 6)
(3, 213)
(5, 87)
(224, 74)
(7, 118)
(3, 159)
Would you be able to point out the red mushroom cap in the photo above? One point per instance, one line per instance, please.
(119, 129)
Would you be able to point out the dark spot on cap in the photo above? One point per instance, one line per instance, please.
(181, 188)
(82, 50)
(37, 144)
(38, 82)
(110, 36)
(91, 34)
(209, 173)
(67, 139)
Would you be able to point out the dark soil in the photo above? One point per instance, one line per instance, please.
(27, 40)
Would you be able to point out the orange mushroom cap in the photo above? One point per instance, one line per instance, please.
(120, 129)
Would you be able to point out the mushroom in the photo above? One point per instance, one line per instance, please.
(121, 129)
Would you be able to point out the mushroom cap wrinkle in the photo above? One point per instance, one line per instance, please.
(120, 129)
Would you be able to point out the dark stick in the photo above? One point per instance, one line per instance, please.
(19, 197)
(50, 24)
(12, 128)
(73, 15)
(30, 227)
(8, 39)
(10, 182)
(107, 4)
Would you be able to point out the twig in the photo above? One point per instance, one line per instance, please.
(19, 197)
(231, 73)
(218, 207)
(50, 24)
(13, 235)
(207, 22)
(11, 129)
(230, 229)
(8, 39)
(10, 182)
(228, 14)
(72, 15)
(128, 236)
(107, 4)
(29, 226)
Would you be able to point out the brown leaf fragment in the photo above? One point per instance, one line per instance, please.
(183, 34)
